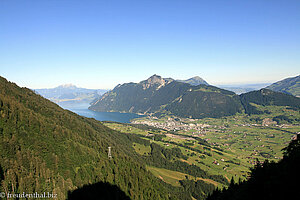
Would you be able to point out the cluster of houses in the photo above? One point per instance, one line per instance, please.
(173, 125)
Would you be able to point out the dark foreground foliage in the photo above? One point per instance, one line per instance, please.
(99, 191)
(269, 180)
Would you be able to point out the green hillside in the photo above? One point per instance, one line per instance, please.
(47, 149)
(267, 97)
(289, 86)
(205, 101)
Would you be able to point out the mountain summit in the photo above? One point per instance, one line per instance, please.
(154, 80)
(196, 80)
(68, 85)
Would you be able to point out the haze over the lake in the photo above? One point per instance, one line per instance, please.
(99, 44)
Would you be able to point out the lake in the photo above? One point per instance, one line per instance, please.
(82, 109)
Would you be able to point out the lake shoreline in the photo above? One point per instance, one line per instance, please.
(82, 109)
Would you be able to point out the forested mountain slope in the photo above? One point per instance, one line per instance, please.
(288, 85)
(44, 148)
(266, 97)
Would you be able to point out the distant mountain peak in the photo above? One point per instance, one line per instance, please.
(154, 80)
(196, 80)
(68, 85)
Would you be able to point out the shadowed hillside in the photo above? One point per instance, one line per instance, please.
(99, 191)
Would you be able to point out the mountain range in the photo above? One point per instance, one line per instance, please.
(159, 96)
(288, 85)
(69, 93)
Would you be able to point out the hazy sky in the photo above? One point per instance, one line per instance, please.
(98, 44)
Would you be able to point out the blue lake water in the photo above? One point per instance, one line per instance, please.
(82, 109)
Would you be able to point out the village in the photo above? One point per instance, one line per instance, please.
(172, 124)
(185, 124)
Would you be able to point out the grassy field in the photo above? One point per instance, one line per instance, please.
(173, 177)
(141, 149)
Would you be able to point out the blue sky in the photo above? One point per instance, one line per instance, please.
(98, 44)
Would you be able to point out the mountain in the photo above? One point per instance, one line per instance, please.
(288, 86)
(194, 81)
(44, 148)
(69, 93)
(267, 97)
(269, 180)
(158, 96)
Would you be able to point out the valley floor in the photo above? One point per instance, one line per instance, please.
(228, 146)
